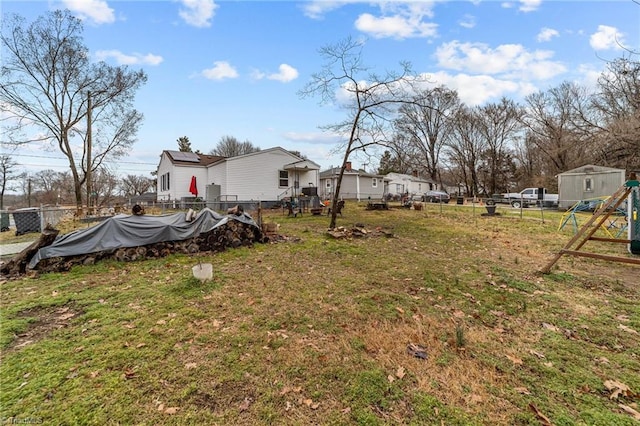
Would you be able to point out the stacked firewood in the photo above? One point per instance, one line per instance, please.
(230, 235)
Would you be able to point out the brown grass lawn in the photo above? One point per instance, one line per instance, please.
(310, 329)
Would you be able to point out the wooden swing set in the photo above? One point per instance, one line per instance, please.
(587, 231)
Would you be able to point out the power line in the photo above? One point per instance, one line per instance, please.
(64, 158)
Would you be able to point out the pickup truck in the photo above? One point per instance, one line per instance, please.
(527, 197)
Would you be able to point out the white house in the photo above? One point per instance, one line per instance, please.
(266, 175)
(400, 183)
(356, 184)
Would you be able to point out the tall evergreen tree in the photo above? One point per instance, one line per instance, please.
(183, 144)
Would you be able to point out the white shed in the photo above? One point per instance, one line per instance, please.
(587, 182)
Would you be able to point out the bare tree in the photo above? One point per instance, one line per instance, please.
(48, 83)
(464, 149)
(51, 187)
(425, 129)
(617, 106)
(133, 185)
(371, 101)
(8, 173)
(499, 124)
(229, 146)
(105, 185)
(554, 125)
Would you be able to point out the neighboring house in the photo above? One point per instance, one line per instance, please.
(267, 175)
(356, 184)
(400, 184)
(587, 182)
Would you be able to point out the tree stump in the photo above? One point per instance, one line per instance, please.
(17, 265)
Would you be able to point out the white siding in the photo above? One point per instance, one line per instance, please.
(218, 176)
(253, 176)
(412, 185)
(179, 179)
(256, 176)
(164, 167)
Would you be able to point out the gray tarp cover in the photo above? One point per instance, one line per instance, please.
(133, 231)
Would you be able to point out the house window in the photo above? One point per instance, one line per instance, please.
(374, 182)
(419, 187)
(399, 188)
(588, 185)
(164, 182)
(284, 178)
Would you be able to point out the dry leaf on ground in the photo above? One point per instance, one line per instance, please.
(627, 329)
(244, 405)
(544, 420)
(514, 359)
(635, 414)
(617, 388)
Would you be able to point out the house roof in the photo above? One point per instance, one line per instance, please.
(591, 168)
(335, 171)
(404, 176)
(302, 165)
(191, 158)
(263, 151)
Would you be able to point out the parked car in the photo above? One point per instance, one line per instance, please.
(436, 197)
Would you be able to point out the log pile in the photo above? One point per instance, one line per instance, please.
(230, 235)
(358, 231)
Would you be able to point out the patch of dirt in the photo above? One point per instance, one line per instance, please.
(45, 319)
(224, 396)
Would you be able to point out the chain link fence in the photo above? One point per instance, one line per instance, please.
(35, 219)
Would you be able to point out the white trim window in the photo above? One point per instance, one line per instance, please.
(374, 182)
(164, 182)
(588, 184)
(283, 178)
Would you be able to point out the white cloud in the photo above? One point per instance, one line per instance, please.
(318, 8)
(220, 71)
(525, 5)
(547, 34)
(313, 138)
(98, 11)
(529, 5)
(257, 75)
(589, 75)
(399, 20)
(606, 38)
(480, 89)
(508, 59)
(394, 26)
(467, 21)
(198, 13)
(285, 74)
(133, 59)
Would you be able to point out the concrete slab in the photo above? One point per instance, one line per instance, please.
(7, 250)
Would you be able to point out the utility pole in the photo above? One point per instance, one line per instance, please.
(88, 172)
(29, 191)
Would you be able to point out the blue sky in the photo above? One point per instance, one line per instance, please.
(235, 67)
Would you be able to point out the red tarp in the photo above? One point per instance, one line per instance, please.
(193, 188)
